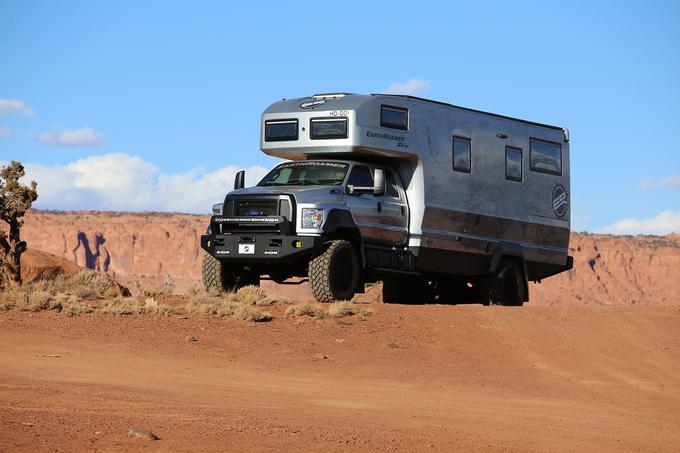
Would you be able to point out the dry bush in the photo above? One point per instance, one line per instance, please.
(194, 290)
(253, 295)
(303, 310)
(121, 306)
(251, 314)
(342, 309)
(88, 284)
(203, 303)
(335, 310)
(235, 305)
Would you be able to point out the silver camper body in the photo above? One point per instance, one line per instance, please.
(506, 193)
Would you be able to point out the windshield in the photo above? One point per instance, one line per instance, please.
(306, 173)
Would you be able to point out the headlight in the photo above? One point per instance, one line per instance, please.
(312, 218)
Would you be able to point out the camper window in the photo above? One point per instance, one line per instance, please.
(461, 154)
(546, 157)
(394, 117)
(513, 163)
(323, 128)
(280, 130)
(360, 177)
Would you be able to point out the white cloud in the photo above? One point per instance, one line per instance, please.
(72, 137)
(669, 183)
(663, 223)
(413, 86)
(12, 106)
(120, 182)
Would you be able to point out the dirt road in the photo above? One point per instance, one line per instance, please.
(411, 378)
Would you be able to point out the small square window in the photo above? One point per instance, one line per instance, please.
(461, 154)
(546, 157)
(280, 130)
(394, 117)
(325, 128)
(513, 163)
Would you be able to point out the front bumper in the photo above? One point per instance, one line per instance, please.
(231, 239)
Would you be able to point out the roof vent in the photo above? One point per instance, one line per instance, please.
(329, 96)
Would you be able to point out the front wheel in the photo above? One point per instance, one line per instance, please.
(219, 277)
(334, 275)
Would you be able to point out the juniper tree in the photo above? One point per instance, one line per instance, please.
(15, 200)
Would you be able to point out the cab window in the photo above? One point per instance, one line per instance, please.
(360, 177)
(392, 189)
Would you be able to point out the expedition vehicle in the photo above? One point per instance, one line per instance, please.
(439, 202)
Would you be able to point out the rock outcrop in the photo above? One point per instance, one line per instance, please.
(146, 246)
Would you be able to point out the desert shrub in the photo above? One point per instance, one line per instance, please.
(253, 295)
(303, 310)
(251, 314)
(341, 309)
(121, 306)
(88, 284)
(203, 303)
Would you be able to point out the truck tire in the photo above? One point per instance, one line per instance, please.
(334, 275)
(217, 277)
(506, 287)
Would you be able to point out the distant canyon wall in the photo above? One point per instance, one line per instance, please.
(607, 269)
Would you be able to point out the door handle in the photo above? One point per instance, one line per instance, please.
(380, 206)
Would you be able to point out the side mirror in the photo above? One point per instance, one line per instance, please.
(379, 182)
(240, 180)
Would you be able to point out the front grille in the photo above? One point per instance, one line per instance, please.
(256, 207)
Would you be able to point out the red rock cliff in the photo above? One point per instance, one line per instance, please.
(607, 269)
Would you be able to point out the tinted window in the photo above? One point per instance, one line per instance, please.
(394, 117)
(461, 154)
(306, 173)
(360, 177)
(328, 128)
(546, 157)
(392, 189)
(513, 164)
(280, 130)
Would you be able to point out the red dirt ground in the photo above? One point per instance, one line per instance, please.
(410, 378)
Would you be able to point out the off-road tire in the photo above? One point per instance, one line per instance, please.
(217, 277)
(506, 287)
(334, 274)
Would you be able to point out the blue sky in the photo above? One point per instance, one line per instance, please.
(154, 105)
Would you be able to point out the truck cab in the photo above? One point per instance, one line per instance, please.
(278, 226)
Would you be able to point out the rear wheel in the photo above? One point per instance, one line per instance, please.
(334, 275)
(219, 277)
(506, 287)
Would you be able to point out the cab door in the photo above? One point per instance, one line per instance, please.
(393, 211)
(365, 206)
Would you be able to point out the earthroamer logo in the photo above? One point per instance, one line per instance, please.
(396, 138)
(560, 200)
